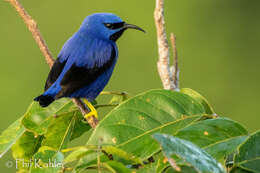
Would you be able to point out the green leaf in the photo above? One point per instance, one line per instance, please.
(10, 136)
(219, 137)
(184, 169)
(223, 148)
(192, 154)
(146, 169)
(118, 98)
(156, 165)
(91, 153)
(239, 170)
(38, 119)
(199, 98)
(122, 154)
(61, 129)
(78, 152)
(116, 167)
(162, 164)
(80, 126)
(26, 146)
(248, 156)
(130, 125)
(47, 160)
(24, 149)
(90, 160)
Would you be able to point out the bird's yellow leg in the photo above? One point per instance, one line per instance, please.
(93, 111)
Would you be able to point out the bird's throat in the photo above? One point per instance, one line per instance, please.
(117, 35)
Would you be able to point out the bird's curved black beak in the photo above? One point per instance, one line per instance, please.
(131, 26)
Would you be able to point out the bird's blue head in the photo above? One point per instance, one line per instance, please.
(105, 26)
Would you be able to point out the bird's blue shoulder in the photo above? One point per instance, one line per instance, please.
(86, 51)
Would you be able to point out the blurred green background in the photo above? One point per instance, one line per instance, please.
(217, 42)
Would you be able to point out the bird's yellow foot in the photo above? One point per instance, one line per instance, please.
(93, 111)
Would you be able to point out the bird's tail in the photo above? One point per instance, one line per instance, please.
(44, 100)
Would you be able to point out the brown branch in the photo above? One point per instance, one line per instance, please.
(33, 28)
(163, 64)
(175, 68)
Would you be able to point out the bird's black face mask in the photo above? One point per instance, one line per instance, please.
(122, 26)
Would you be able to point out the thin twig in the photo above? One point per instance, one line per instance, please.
(114, 93)
(174, 165)
(175, 68)
(105, 105)
(163, 64)
(33, 28)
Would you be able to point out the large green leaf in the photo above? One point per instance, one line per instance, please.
(90, 160)
(26, 146)
(130, 125)
(219, 137)
(78, 153)
(24, 149)
(64, 128)
(222, 148)
(47, 160)
(192, 154)
(37, 119)
(91, 154)
(10, 136)
(80, 126)
(248, 156)
(199, 98)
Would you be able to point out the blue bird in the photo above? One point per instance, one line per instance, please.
(86, 61)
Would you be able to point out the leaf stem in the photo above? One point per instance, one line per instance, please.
(105, 105)
(114, 93)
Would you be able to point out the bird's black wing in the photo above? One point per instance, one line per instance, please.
(54, 73)
(78, 77)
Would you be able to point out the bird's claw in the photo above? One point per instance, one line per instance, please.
(93, 111)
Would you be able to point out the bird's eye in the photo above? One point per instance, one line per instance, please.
(109, 25)
(114, 25)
